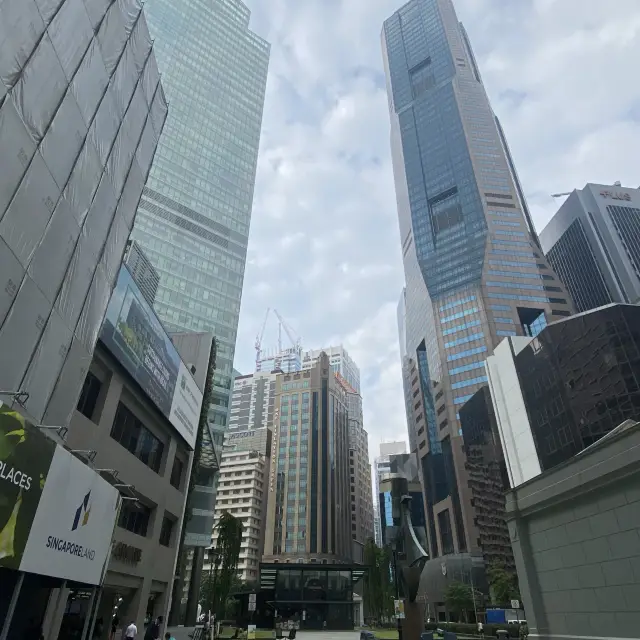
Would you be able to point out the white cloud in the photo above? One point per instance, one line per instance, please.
(324, 247)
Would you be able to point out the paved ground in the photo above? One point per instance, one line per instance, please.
(333, 635)
(183, 634)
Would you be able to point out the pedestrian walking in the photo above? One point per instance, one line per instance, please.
(131, 631)
(153, 630)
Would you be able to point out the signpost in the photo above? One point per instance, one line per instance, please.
(252, 602)
(398, 606)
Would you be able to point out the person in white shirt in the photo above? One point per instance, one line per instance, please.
(132, 631)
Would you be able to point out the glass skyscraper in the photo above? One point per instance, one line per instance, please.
(473, 266)
(194, 216)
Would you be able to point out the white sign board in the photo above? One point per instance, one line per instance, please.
(71, 533)
(515, 604)
(185, 406)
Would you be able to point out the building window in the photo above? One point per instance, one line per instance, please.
(89, 395)
(166, 531)
(136, 438)
(446, 535)
(134, 517)
(176, 472)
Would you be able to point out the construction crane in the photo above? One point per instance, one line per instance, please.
(259, 337)
(295, 341)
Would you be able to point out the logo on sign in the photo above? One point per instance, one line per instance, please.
(82, 513)
(616, 195)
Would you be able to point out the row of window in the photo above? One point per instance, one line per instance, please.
(467, 367)
(464, 340)
(460, 314)
(457, 303)
(519, 274)
(469, 383)
(523, 285)
(461, 327)
(509, 296)
(464, 354)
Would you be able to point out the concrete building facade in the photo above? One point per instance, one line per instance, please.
(575, 532)
(593, 243)
(130, 436)
(242, 493)
(253, 401)
(309, 498)
(359, 472)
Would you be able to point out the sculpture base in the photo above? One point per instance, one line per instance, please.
(413, 623)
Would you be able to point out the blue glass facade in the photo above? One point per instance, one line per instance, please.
(472, 259)
(194, 216)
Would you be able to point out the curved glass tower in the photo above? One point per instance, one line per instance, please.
(474, 270)
(194, 216)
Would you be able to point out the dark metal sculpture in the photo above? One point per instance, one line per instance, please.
(409, 558)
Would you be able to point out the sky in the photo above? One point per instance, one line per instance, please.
(324, 247)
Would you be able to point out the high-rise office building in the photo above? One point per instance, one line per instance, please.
(473, 266)
(381, 469)
(348, 376)
(340, 360)
(252, 402)
(359, 470)
(194, 216)
(593, 243)
(413, 399)
(308, 486)
(242, 493)
(561, 392)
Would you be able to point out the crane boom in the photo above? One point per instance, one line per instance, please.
(295, 341)
(259, 337)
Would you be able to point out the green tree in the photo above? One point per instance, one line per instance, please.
(459, 598)
(378, 589)
(503, 584)
(220, 582)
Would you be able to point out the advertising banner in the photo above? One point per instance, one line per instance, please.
(71, 533)
(134, 335)
(25, 460)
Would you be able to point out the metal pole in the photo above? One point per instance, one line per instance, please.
(12, 607)
(395, 577)
(94, 615)
(473, 593)
(215, 582)
(89, 615)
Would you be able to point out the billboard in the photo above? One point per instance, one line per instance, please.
(56, 514)
(73, 525)
(25, 459)
(133, 334)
